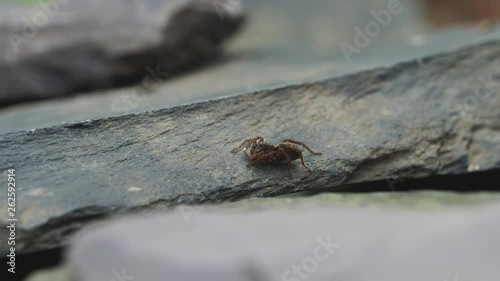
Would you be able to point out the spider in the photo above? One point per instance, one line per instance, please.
(261, 151)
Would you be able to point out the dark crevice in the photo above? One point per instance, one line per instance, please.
(29, 262)
(471, 182)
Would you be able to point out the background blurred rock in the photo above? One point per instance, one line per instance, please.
(448, 12)
(51, 49)
(282, 42)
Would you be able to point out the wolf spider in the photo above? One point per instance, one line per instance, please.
(261, 151)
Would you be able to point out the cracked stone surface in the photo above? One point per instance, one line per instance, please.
(439, 115)
(318, 243)
(88, 45)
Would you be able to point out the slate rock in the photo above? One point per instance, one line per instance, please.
(87, 45)
(438, 115)
(313, 244)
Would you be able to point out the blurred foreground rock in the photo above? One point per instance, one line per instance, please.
(327, 243)
(395, 202)
(59, 49)
(438, 115)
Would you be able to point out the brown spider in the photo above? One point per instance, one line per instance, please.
(261, 151)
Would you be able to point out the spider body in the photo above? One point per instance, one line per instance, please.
(258, 151)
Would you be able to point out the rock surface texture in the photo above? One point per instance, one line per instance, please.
(316, 244)
(439, 115)
(73, 46)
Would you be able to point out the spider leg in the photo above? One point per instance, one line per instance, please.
(302, 144)
(248, 143)
(256, 141)
(247, 155)
(258, 157)
(259, 139)
(302, 160)
(238, 148)
(282, 151)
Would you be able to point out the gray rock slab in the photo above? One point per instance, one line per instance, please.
(274, 48)
(61, 48)
(314, 244)
(439, 115)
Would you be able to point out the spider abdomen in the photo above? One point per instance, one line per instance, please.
(292, 151)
